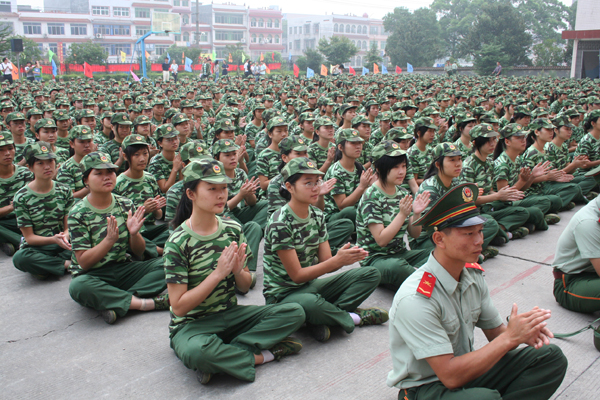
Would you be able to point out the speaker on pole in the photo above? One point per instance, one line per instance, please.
(16, 45)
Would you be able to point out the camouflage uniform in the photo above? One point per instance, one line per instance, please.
(346, 183)
(243, 212)
(196, 337)
(161, 168)
(20, 150)
(419, 161)
(9, 231)
(267, 163)
(318, 154)
(112, 148)
(70, 174)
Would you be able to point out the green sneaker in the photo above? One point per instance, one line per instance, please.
(286, 347)
(552, 219)
(203, 377)
(591, 195)
(520, 233)
(320, 333)
(530, 227)
(7, 248)
(161, 302)
(569, 206)
(489, 252)
(109, 316)
(372, 316)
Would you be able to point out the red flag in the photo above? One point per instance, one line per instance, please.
(375, 69)
(398, 70)
(273, 56)
(87, 70)
(296, 70)
(352, 71)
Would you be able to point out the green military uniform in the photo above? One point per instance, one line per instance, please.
(45, 214)
(420, 161)
(62, 142)
(326, 301)
(70, 172)
(433, 314)
(588, 146)
(577, 284)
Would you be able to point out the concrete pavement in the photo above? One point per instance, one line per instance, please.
(52, 348)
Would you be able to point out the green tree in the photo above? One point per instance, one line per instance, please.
(176, 52)
(568, 54)
(89, 52)
(301, 63)
(548, 53)
(5, 32)
(274, 54)
(237, 53)
(372, 57)
(544, 19)
(314, 59)
(487, 56)
(415, 37)
(456, 18)
(337, 50)
(500, 28)
(31, 50)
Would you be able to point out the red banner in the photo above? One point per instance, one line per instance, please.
(296, 71)
(398, 70)
(61, 56)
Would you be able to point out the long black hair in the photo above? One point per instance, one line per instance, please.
(185, 206)
(587, 126)
(434, 169)
(459, 129)
(500, 147)
(283, 192)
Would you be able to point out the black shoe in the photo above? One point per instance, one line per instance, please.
(7, 248)
(498, 241)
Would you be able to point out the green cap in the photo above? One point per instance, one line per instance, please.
(323, 121)
(86, 113)
(60, 115)
(522, 110)
(426, 122)
(483, 130)
(464, 117)
(360, 119)
(130, 140)
(107, 114)
(456, 208)
(97, 160)
(592, 115)
(6, 138)
(276, 121)
(489, 118)
(194, 150)
(539, 112)
(39, 150)
(15, 116)
(300, 165)
(142, 120)
(386, 148)
(224, 125)
(513, 129)
(120, 118)
(345, 107)
(385, 116)
(306, 116)
(224, 146)
(34, 111)
(44, 123)
(207, 169)
(166, 130)
(349, 135)
(445, 149)
(294, 142)
(541, 123)
(398, 133)
(400, 115)
(179, 118)
(429, 110)
(81, 132)
(562, 120)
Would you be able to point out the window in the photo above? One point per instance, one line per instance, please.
(142, 12)
(295, 30)
(5, 6)
(342, 28)
(269, 23)
(203, 37)
(229, 35)
(253, 23)
(354, 42)
(364, 45)
(121, 30)
(112, 30)
(56, 29)
(276, 38)
(141, 30)
(358, 61)
(32, 28)
(297, 44)
(183, 3)
(186, 36)
(78, 29)
(290, 47)
(261, 39)
(254, 37)
(269, 39)
(121, 11)
(7, 25)
(178, 38)
(261, 23)
(54, 48)
(373, 44)
(309, 43)
(185, 19)
(316, 29)
(100, 10)
(231, 19)
(161, 49)
(336, 28)
(353, 28)
(116, 49)
(374, 30)
(307, 29)
(364, 29)
(276, 23)
(382, 45)
(359, 29)
(348, 28)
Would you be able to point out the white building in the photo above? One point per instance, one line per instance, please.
(586, 37)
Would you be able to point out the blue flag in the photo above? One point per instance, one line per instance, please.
(54, 68)
(169, 57)
(290, 57)
(309, 73)
(383, 69)
(365, 71)
(409, 67)
(188, 64)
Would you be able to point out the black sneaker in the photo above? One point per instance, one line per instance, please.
(7, 248)
(530, 227)
(320, 333)
(498, 240)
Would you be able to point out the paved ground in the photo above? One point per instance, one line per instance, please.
(52, 348)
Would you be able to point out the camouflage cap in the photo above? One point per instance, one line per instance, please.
(107, 114)
(159, 102)
(299, 165)
(224, 125)
(96, 160)
(276, 121)
(592, 100)
(206, 169)
(539, 112)
(592, 115)
(194, 150)
(6, 138)
(540, 123)
(398, 134)
(33, 111)
(260, 106)
(371, 102)
(166, 131)
(130, 140)
(349, 135)
(6, 104)
(179, 118)
(562, 120)
(323, 121)
(224, 146)
(489, 118)
(425, 122)
(483, 130)
(86, 113)
(513, 129)
(44, 123)
(294, 142)
(386, 148)
(346, 107)
(445, 149)
(360, 119)
(39, 150)
(81, 132)
(429, 110)
(306, 116)
(522, 110)
(186, 103)
(171, 112)
(61, 115)
(385, 116)
(120, 118)
(142, 120)
(15, 116)
(463, 117)
(400, 115)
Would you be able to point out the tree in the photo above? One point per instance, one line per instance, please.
(498, 27)
(5, 32)
(415, 37)
(548, 53)
(314, 59)
(175, 52)
(456, 18)
(274, 54)
(487, 56)
(337, 50)
(89, 52)
(372, 57)
(544, 19)
(237, 53)
(31, 50)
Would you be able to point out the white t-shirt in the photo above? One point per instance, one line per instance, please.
(174, 68)
(4, 67)
(263, 69)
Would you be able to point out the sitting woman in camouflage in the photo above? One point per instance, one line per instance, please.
(205, 259)
(297, 252)
(105, 227)
(80, 139)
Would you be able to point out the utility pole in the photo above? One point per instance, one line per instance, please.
(197, 23)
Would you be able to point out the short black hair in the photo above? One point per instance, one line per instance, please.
(385, 164)
(134, 148)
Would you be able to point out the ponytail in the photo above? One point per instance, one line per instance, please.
(185, 206)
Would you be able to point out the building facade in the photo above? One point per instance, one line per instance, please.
(586, 40)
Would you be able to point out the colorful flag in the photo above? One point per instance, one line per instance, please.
(273, 56)
(54, 68)
(323, 70)
(365, 71)
(262, 57)
(352, 71)
(168, 57)
(289, 56)
(135, 77)
(296, 71)
(15, 72)
(268, 71)
(148, 55)
(375, 69)
(183, 57)
(383, 69)
(398, 70)
(87, 70)
(243, 57)
(188, 64)
(123, 56)
(214, 55)
(409, 67)
(50, 55)
(309, 73)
